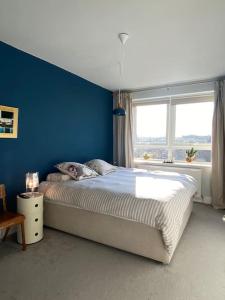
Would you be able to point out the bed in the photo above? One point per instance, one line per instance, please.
(134, 210)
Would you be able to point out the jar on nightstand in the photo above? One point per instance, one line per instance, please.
(31, 206)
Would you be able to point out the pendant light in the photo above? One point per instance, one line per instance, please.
(119, 110)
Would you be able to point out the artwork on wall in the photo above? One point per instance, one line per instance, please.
(8, 122)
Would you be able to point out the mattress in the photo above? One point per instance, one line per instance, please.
(156, 199)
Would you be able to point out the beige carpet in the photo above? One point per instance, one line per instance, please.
(66, 267)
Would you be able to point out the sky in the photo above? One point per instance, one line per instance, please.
(192, 118)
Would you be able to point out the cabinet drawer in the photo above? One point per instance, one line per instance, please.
(29, 206)
(33, 233)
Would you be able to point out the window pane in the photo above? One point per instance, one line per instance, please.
(194, 123)
(151, 124)
(201, 156)
(158, 153)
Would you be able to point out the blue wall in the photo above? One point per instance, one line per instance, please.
(62, 117)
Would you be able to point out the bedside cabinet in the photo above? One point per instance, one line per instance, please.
(31, 206)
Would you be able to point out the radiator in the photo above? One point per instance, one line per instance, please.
(196, 173)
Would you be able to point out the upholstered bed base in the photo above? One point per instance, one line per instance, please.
(120, 233)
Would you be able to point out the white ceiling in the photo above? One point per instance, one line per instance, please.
(171, 40)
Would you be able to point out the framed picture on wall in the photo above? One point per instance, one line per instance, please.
(8, 122)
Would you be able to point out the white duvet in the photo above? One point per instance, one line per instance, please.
(158, 199)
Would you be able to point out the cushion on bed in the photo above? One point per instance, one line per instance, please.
(58, 177)
(100, 166)
(76, 171)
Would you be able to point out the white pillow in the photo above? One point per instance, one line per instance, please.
(58, 177)
(100, 166)
(76, 171)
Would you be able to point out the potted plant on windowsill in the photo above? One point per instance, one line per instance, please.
(148, 155)
(190, 155)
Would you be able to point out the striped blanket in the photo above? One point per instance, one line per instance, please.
(158, 199)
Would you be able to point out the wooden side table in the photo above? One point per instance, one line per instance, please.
(31, 206)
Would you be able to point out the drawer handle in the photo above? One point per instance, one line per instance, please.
(36, 234)
(36, 205)
(36, 219)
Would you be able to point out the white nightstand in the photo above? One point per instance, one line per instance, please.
(31, 206)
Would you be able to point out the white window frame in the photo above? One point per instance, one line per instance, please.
(171, 102)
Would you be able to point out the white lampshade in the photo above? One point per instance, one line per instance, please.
(32, 181)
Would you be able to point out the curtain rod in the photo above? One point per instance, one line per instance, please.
(212, 80)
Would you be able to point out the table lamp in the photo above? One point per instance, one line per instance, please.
(32, 182)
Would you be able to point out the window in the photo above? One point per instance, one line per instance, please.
(151, 124)
(165, 128)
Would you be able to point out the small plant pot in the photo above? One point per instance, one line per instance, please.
(147, 156)
(190, 159)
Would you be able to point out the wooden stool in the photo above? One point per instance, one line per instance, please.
(9, 219)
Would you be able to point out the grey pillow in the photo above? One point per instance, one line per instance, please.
(58, 177)
(100, 166)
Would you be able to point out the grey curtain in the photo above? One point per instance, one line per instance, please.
(218, 143)
(122, 132)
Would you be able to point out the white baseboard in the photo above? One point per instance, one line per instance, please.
(203, 199)
(207, 200)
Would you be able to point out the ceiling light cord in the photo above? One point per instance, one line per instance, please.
(121, 71)
(119, 110)
(123, 38)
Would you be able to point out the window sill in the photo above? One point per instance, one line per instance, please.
(175, 164)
